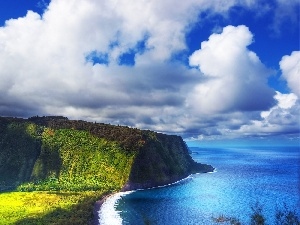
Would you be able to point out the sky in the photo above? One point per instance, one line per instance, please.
(211, 71)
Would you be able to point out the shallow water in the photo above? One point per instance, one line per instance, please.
(244, 176)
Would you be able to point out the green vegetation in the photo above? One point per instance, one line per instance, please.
(162, 159)
(60, 208)
(38, 158)
(60, 167)
(19, 149)
(76, 161)
(59, 173)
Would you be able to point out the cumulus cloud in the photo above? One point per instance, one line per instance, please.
(236, 78)
(46, 59)
(280, 119)
(283, 118)
(68, 61)
(290, 67)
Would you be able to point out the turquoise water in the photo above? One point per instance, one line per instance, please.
(244, 177)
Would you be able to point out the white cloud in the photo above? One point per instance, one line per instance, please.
(290, 66)
(285, 101)
(44, 67)
(236, 78)
(280, 119)
(43, 58)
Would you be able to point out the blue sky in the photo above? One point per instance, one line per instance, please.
(210, 71)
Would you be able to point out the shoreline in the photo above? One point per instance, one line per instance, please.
(98, 204)
(96, 209)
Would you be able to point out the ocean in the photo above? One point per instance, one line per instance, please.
(244, 178)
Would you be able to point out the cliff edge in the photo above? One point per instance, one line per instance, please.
(55, 153)
(163, 160)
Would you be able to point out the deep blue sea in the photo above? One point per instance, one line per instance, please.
(244, 176)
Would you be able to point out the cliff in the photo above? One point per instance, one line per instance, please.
(162, 160)
(54, 153)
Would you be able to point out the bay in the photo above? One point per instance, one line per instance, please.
(244, 177)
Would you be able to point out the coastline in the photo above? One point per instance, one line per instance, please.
(98, 205)
(96, 209)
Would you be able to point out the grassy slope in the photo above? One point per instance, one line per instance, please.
(79, 165)
(25, 208)
(76, 161)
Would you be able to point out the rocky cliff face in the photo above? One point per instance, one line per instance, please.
(162, 161)
(42, 150)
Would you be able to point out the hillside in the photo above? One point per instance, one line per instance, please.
(54, 153)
